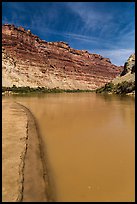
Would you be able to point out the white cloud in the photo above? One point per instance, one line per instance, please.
(111, 41)
(116, 42)
(116, 56)
(92, 18)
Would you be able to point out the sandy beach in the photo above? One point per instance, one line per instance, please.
(24, 176)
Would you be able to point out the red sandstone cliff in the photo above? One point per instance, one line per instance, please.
(29, 61)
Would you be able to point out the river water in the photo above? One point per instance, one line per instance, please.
(89, 143)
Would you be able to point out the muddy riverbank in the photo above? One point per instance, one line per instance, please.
(24, 171)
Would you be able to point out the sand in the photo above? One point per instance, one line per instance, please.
(24, 176)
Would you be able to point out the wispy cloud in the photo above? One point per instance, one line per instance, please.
(117, 56)
(91, 17)
(102, 18)
(96, 20)
(114, 29)
(106, 28)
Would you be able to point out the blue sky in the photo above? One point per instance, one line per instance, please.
(106, 28)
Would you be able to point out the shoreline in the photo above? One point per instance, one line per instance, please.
(24, 167)
(36, 181)
(14, 147)
(39, 90)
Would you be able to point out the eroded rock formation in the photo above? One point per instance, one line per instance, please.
(125, 82)
(128, 73)
(29, 61)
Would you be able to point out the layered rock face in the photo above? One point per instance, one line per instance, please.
(30, 61)
(128, 73)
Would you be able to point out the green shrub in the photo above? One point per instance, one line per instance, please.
(124, 87)
(107, 88)
(120, 88)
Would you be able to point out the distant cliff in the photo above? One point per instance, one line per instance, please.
(125, 82)
(29, 61)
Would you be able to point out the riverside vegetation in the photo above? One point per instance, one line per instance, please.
(56, 64)
(27, 90)
(124, 87)
(29, 61)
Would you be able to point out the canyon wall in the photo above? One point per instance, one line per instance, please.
(29, 61)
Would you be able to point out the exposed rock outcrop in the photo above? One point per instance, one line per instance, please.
(29, 61)
(128, 73)
(125, 82)
(129, 65)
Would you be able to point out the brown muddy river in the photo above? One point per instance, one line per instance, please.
(89, 143)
